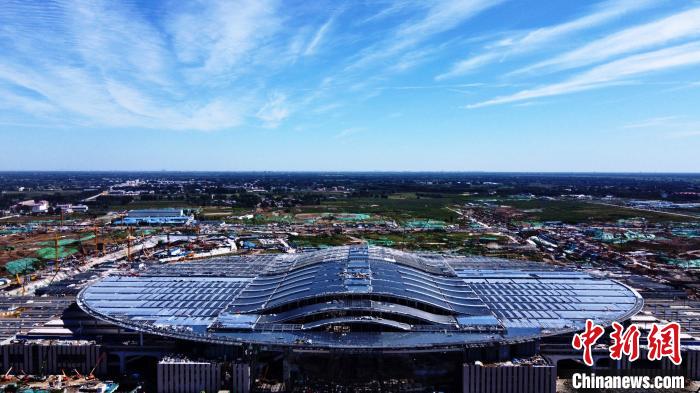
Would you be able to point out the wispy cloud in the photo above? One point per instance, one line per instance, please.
(522, 42)
(10, 100)
(331, 107)
(318, 37)
(608, 74)
(393, 9)
(439, 17)
(274, 110)
(673, 127)
(347, 132)
(683, 25)
(216, 64)
(687, 134)
(109, 65)
(213, 37)
(652, 122)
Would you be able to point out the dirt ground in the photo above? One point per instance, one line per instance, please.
(21, 245)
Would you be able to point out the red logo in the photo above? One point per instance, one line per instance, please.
(587, 339)
(624, 342)
(664, 341)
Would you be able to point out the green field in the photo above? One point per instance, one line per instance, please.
(407, 206)
(320, 240)
(431, 240)
(400, 210)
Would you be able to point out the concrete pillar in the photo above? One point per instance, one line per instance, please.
(504, 352)
(122, 362)
(286, 372)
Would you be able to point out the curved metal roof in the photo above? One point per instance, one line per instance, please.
(358, 297)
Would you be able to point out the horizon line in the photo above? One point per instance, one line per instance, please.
(2, 171)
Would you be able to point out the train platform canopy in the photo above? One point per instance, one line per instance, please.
(359, 298)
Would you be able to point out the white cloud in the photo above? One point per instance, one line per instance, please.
(439, 17)
(318, 37)
(668, 126)
(686, 134)
(216, 64)
(274, 110)
(331, 107)
(603, 13)
(393, 9)
(10, 100)
(106, 64)
(683, 25)
(652, 122)
(534, 39)
(610, 73)
(116, 40)
(213, 37)
(465, 66)
(346, 133)
(215, 115)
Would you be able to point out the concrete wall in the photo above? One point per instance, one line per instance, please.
(186, 377)
(241, 378)
(50, 357)
(509, 379)
(689, 367)
(692, 360)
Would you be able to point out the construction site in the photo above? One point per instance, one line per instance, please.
(284, 298)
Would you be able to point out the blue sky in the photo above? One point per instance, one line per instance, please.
(474, 85)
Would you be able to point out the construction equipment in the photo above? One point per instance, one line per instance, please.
(78, 374)
(129, 237)
(7, 376)
(147, 253)
(20, 283)
(97, 249)
(97, 363)
(22, 376)
(55, 247)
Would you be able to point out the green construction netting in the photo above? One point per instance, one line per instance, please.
(20, 266)
(67, 242)
(380, 242)
(13, 231)
(686, 264)
(87, 237)
(50, 253)
(352, 216)
(425, 224)
(61, 242)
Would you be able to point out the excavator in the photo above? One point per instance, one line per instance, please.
(77, 374)
(7, 377)
(91, 375)
(20, 283)
(22, 376)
